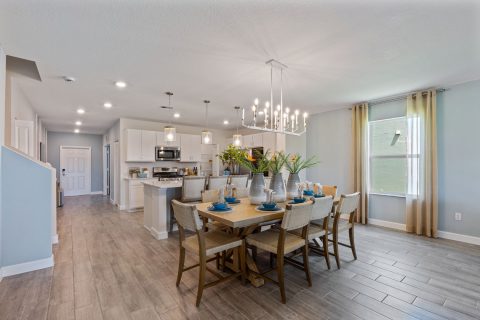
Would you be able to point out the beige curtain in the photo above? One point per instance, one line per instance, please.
(360, 154)
(422, 198)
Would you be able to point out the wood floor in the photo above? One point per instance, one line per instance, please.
(108, 267)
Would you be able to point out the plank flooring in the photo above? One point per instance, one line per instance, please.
(108, 267)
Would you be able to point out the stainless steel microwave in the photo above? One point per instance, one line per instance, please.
(163, 153)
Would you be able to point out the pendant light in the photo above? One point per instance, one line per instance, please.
(170, 132)
(237, 138)
(206, 135)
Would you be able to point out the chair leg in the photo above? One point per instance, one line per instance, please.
(201, 278)
(217, 260)
(325, 251)
(335, 248)
(243, 265)
(306, 265)
(281, 278)
(352, 242)
(181, 262)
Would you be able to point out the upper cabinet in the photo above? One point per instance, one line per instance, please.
(140, 145)
(190, 147)
(161, 140)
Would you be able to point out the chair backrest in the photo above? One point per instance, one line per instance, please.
(297, 216)
(242, 192)
(186, 215)
(239, 181)
(216, 183)
(192, 188)
(330, 191)
(210, 195)
(321, 207)
(348, 204)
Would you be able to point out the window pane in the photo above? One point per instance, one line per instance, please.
(384, 141)
(388, 175)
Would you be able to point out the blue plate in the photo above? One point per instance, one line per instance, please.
(308, 192)
(212, 208)
(237, 201)
(319, 195)
(261, 208)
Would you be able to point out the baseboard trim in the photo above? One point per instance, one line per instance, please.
(387, 224)
(458, 237)
(97, 192)
(27, 266)
(55, 239)
(159, 235)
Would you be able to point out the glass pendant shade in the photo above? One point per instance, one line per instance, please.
(170, 134)
(207, 137)
(237, 140)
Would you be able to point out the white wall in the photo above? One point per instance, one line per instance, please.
(3, 74)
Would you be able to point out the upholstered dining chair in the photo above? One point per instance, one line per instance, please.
(210, 195)
(239, 181)
(281, 242)
(318, 229)
(330, 190)
(347, 206)
(216, 183)
(204, 245)
(241, 192)
(192, 188)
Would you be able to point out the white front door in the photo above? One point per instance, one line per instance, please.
(75, 170)
(24, 137)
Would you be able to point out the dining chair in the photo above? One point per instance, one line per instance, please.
(192, 188)
(347, 206)
(216, 183)
(241, 192)
(204, 244)
(280, 242)
(239, 181)
(210, 195)
(318, 229)
(329, 190)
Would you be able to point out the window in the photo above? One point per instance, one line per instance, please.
(388, 156)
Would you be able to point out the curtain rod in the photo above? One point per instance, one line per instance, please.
(398, 98)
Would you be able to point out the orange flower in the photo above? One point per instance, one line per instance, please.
(250, 158)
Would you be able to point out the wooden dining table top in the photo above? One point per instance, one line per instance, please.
(243, 214)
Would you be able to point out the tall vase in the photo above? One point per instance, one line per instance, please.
(278, 186)
(257, 193)
(292, 189)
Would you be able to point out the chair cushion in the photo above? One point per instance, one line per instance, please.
(268, 241)
(314, 231)
(215, 241)
(342, 225)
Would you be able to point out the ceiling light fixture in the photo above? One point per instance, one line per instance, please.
(80, 111)
(76, 130)
(206, 134)
(279, 120)
(69, 79)
(120, 84)
(108, 105)
(78, 123)
(237, 138)
(176, 115)
(225, 122)
(170, 132)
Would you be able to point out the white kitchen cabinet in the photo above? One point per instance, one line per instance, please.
(190, 148)
(135, 196)
(140, 145)
(161, 140)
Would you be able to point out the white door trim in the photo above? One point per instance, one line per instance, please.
(28, 124)
(89, 164)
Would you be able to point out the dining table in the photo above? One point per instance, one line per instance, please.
(243, 219)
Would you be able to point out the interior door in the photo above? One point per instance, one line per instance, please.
(75, 170)
(24, 137)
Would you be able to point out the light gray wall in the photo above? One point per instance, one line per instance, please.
(386, 208)
(458, 114)
(329, 137)
(3, 74)
(297, 144)
(95, 141)
(27, 220)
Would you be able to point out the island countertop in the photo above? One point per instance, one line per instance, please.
(163, 184)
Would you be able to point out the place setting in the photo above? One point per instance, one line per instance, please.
(269, 204)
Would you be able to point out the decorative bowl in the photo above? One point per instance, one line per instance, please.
(299, 199)
(220, 205)
(230, 199)
(308, 192)
(269, 205)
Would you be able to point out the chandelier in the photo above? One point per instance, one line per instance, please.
(278, 119)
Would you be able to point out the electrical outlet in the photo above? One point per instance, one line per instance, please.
(458, 216)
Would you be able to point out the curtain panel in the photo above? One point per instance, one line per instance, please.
(422, 194)
(360, 156)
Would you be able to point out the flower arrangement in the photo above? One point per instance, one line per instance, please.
(230, 156)
(258, 165)
(277, 162)
(295, 163)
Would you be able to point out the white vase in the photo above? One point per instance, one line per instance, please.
(278, 186)
(292, 190)
(257, 193)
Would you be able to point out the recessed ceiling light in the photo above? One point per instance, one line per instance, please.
(225, 122)
(121, 84)
(78, 123)
(80, 111)
(69, 79)
(76, 130)
(176, 115)
(107, 105)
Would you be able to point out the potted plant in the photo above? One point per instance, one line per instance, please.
(229, 158)
(294, 165)
(277, 162)
(257, 166)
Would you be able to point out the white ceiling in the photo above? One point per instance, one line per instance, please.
(338, 53)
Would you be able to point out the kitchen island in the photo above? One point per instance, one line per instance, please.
(157, 209)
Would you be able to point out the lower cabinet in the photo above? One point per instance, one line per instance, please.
(135, 194)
